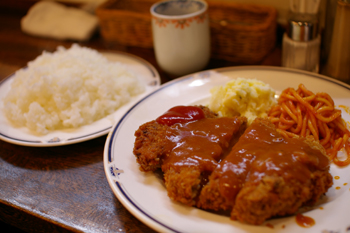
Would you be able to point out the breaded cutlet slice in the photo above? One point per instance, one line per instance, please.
(186, 173)
(149, 146)
(277, 178)
(276, 196)
(183, 186)
(150, 142)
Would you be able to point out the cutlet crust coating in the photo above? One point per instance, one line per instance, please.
(149, 146)
(183, 186)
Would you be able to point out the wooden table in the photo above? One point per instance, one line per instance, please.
(61, 189)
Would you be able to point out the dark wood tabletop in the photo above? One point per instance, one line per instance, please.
(62, 189)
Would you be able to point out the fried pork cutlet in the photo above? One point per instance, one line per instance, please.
(187, 152)
(151, 142)
(266, 175)
(195, 151)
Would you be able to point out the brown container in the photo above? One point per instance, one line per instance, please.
(242, 33)
(127, 22)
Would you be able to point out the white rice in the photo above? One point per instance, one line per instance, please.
(68, 88)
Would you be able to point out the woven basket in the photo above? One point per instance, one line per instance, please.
(127, 22)
(241, 33)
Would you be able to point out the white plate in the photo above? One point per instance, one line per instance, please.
(21, 136)
(144, 194)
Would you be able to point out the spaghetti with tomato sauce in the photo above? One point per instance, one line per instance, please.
(302, 113)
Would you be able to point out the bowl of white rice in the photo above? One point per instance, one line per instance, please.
(67, 89)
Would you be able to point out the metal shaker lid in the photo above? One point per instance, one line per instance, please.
(302, 30)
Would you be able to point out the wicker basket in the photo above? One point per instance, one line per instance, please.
(241, 33)
(127, 22)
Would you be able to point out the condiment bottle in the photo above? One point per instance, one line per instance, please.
(301, 43)
(338, 62)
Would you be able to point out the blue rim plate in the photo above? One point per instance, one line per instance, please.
(144, 194)
(21, 136)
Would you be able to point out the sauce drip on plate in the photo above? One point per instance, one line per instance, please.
(304, 221)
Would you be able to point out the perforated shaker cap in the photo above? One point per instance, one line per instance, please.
(302, 28)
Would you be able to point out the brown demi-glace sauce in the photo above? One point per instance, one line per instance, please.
(263, 152)
(304, 221)
(199, 143)
(194, 140)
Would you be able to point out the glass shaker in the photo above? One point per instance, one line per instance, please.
(301, 43)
